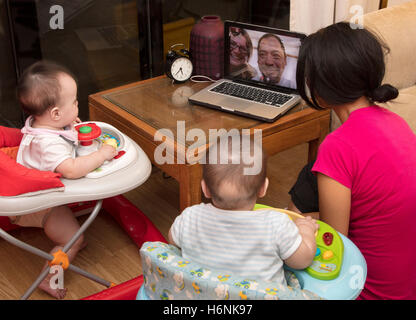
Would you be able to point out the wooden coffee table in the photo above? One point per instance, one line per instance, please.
(142, 108)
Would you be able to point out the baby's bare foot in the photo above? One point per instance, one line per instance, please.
(46, 286)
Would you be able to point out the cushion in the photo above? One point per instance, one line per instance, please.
(10, 151)
(405, 105)
(168, 276)
(397, 27)
(17, 179)
(10, 137)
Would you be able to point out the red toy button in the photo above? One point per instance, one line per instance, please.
(87, 133)
(119, 154)
(328, 237)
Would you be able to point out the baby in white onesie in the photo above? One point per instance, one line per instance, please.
(227, 234)
(48, 93)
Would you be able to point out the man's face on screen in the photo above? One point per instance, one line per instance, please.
(271, 59)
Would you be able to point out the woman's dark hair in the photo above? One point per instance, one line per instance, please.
(340, 64)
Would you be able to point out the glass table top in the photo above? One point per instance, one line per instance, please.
(164, 105)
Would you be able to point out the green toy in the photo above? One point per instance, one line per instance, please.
(330, 249)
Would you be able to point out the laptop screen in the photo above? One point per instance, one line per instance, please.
(261, 54)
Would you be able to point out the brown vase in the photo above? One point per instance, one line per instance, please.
(207, 47)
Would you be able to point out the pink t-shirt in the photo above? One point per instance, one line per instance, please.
(374, 154)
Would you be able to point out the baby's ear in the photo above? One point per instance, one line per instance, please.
(205, 189)
(263, 189)
(55, 113)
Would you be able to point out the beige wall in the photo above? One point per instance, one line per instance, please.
(343, 8)
(391, 3)
(310, 16)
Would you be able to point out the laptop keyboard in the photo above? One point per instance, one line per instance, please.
(251, 93)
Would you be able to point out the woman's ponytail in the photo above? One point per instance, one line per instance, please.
(384, 93)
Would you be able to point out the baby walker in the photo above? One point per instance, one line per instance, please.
(129, 169)
(338, 272)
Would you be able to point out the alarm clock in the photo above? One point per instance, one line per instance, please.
(178, 64)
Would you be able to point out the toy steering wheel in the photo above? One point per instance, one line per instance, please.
(93, 134)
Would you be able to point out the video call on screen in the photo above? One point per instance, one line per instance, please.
(264, 57)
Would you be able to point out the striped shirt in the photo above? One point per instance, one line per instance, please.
(247, 243)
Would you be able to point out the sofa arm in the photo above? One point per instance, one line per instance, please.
(396, 26)
(405, 106)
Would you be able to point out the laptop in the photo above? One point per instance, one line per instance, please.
(258, 83)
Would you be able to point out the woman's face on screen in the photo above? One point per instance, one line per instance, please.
(238, 50)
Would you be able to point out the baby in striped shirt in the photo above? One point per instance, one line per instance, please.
(227, 234)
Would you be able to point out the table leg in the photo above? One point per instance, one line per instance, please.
(190, 185)
(313, 150)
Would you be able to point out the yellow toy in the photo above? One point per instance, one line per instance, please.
(112, 142)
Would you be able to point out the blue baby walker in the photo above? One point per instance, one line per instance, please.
(338, 272)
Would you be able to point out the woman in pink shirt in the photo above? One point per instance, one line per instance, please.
(363, 182)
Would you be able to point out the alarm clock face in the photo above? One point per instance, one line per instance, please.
(181, 69)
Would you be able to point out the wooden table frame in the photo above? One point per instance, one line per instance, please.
(306, 126)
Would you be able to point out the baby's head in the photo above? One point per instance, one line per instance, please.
(48, 91)
(228, 177)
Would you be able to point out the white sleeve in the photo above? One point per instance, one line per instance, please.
(55, 153)
(288, 237)
(177, 228)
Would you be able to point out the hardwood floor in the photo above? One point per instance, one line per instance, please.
(110, 252)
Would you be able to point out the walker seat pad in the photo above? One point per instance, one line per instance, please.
(15, 178)
(168, 276)
(77, 190)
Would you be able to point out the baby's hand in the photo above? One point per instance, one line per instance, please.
(307, 223)
(74, 123)
(108, 151)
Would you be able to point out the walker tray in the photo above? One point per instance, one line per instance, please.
(103, 131)
(330, 249)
